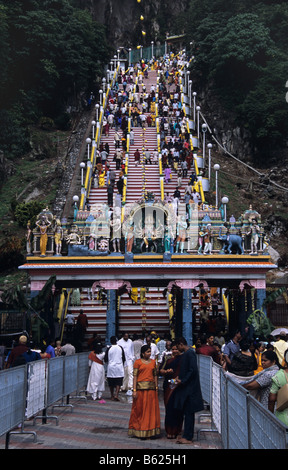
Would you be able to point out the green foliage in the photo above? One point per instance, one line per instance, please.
(264, 109)
(14, 137)
(11, 253)
(16, 299)
(240, 51)
(25, 212)
(4, 45)
(50, 51)
(239, 55)
(46, 123)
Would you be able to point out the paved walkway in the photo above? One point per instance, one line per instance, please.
(92, 425)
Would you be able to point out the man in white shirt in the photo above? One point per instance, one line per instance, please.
(68, 349)
(147, 157)
(137, 345)
(161, 345)
(155, 157)
(154, 350)
(142, 118)
(196, 197)
(115, 358)
(127, 344)
(111, 119)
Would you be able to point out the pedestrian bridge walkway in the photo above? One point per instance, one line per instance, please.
(43, 405)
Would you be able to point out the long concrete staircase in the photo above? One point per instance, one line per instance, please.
(99, 195)
(154, 313)
(151, 314)
(144, 176)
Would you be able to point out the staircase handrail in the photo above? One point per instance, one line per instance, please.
(95, 145)
(124, 195)
(159, 141)
(199, 184)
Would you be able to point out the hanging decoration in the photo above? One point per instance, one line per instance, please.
(134, 295)
(232, 303)
(172, 316)
(144, 317)
(143, 299)
(253, 299)
(143, 302)
(226, 306)
(285, 297)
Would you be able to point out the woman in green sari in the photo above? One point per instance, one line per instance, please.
(279, 379)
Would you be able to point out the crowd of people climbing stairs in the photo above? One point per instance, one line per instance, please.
(130, 97)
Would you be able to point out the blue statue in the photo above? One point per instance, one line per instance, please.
(231, 243)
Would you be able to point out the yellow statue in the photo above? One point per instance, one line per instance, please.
(43, 224)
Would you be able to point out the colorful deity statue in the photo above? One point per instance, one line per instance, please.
(58, 237)
(28, 238)
(74, 238)
(207, 238)
(129, 238)
(254, 231)
(43, 224)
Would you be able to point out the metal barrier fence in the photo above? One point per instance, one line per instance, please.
(240, 419)
(28, 390)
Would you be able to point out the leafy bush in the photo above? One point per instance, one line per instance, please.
(240, 51)
(27, 211)
(14, 137)
(11, 255)
(46, 123)
(63, 122)
(50, 52)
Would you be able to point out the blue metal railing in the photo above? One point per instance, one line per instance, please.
(242, 421)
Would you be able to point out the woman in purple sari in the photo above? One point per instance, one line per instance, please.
(169, 369)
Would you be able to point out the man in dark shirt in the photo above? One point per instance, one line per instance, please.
(18, 350)
(207, 348)
(232, 347)
(177, 193)
(82, 321)
(188, 397)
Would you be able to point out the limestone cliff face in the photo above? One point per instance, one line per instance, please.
(122, 18)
